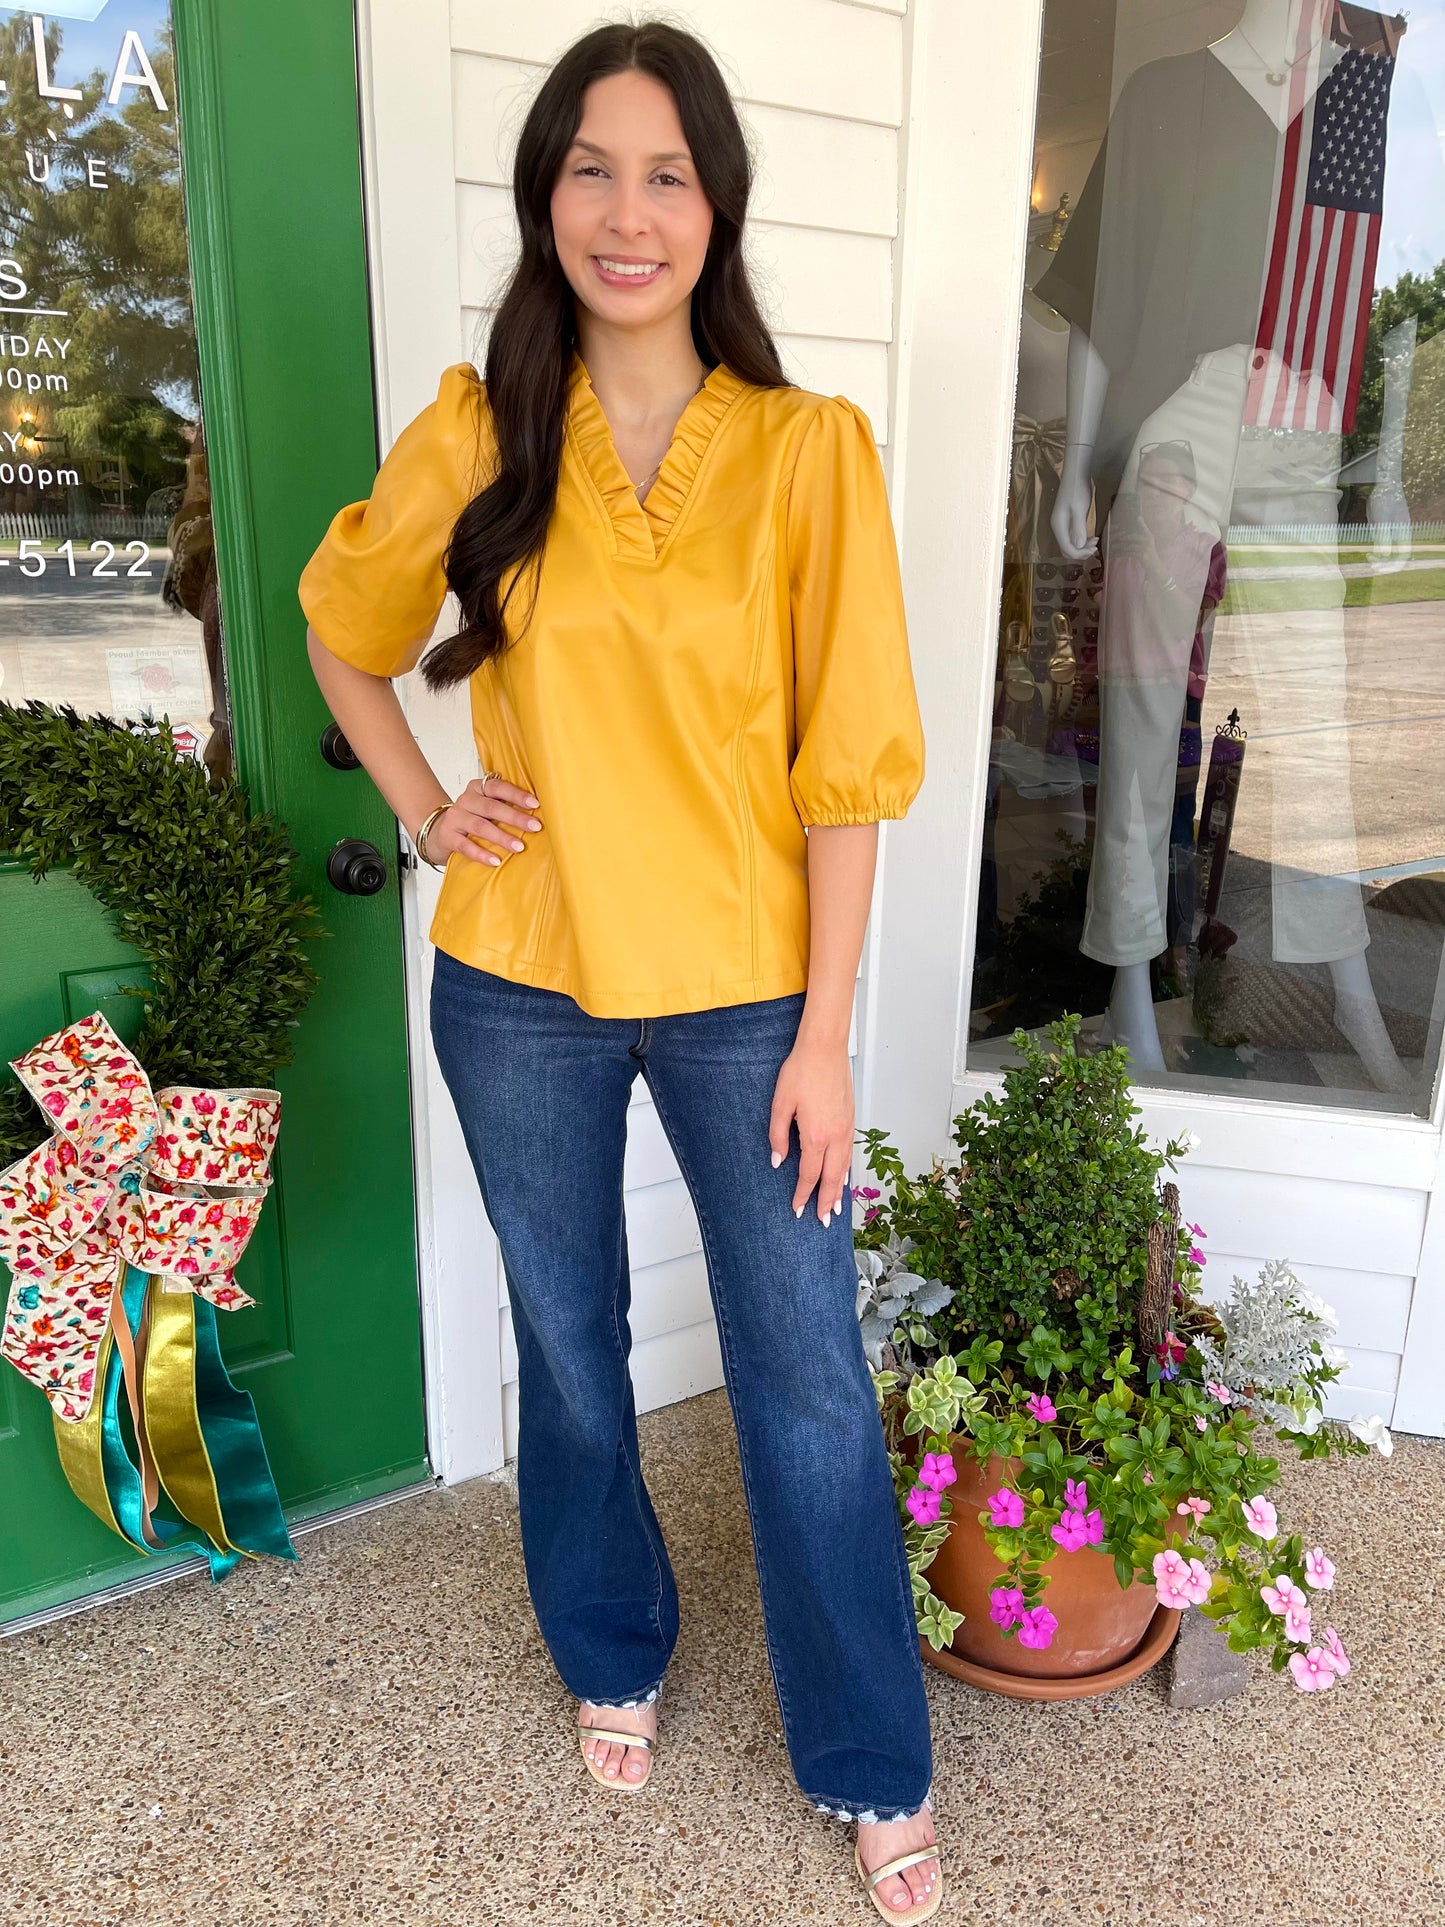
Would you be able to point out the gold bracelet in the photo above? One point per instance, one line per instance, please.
(420, 838)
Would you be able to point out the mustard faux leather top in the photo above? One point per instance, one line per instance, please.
(704, 673)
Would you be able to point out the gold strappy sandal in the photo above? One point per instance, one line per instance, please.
(921, 1909)
(586, 1732)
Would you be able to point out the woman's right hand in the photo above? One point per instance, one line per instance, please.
(480, 816)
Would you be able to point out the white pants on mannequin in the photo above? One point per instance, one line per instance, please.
(1296, 662)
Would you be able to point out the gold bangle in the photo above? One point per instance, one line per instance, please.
(420, 838)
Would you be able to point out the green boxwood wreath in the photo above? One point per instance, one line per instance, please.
(189, 876)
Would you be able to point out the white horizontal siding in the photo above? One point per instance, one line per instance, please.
(815, 56)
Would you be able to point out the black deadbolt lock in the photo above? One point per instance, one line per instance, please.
(357, 868)
(336, 750)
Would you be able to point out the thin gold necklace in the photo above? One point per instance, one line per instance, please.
(641, 488)
(1275, 79)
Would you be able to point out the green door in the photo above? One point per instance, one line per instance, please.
(185, 399)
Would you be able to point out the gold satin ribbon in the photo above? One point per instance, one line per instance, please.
(175, 1424)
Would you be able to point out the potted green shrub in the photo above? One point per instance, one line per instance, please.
(1074, 1431)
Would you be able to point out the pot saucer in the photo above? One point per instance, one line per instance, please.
(1160, 1636)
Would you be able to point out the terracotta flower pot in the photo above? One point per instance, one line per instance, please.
(1100, 1622)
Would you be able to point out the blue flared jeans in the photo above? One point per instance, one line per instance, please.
(542, 1091)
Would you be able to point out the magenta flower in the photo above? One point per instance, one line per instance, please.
(1037, 1628)
(1076, 1495)
(1261, 1517)
(1170, 1351)
(1282, 1593)
(1314, 1671)
(1041, 1408)
(1077, 1529)
(1221, 1392)
(1339, 1658)
(1197, 1506)
(1007, 1508)
(937, 1470)
(925, 1504)
(1006, 1606)
(1319, 1571)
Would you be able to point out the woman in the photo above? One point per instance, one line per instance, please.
(683, 632)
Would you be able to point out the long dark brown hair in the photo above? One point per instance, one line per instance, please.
(534, 332)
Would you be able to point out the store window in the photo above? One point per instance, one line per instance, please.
(1215, 821)
(108, 592)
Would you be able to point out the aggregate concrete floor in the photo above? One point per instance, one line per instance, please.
(377, 1736)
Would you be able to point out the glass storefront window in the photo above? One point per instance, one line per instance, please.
(1215, 824)
(108, 592)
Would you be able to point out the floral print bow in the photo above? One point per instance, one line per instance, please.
(171, 1182)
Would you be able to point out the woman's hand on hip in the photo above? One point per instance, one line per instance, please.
(815, 1088)
(479, 817)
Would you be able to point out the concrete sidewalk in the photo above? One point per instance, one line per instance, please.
(377, 1736)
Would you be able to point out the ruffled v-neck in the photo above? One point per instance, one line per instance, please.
(643, 529)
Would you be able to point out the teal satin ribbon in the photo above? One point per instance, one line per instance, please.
(203, 1434)
(122, 1474)
(237, 1453)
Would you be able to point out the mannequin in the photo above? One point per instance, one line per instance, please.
(1278, 56)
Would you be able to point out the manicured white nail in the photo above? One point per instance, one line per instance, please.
(797, 1211)
(777, 1159)
(827, 1217)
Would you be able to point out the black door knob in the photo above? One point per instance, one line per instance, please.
(356, 867)
(336, 750)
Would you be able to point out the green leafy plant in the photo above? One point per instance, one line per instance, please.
(1076, 1350)
(189, 876)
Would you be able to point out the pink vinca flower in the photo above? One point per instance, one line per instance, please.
(1196, 1588)
(1006, 1606)
(1261, 1517)
(1076, 1495)
(1339, 1658)
(1198, 1507)
(1077, 1529)
(1201, 1424)
(1281, 1594)
(1041, 1408)
(1319, 1571)
(1221, 1392)
(1180, 1582)
(937, 1470)
(1314, 1671)
(1037, 1628)
(1006, 1507)
(925, 1504)
(1297, 1622)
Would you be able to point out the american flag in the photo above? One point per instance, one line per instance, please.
(1320, 280)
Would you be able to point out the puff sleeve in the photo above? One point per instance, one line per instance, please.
(859, 736)
(375, 586)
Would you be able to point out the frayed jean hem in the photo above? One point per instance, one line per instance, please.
(625, 1706)
(872, 1816)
